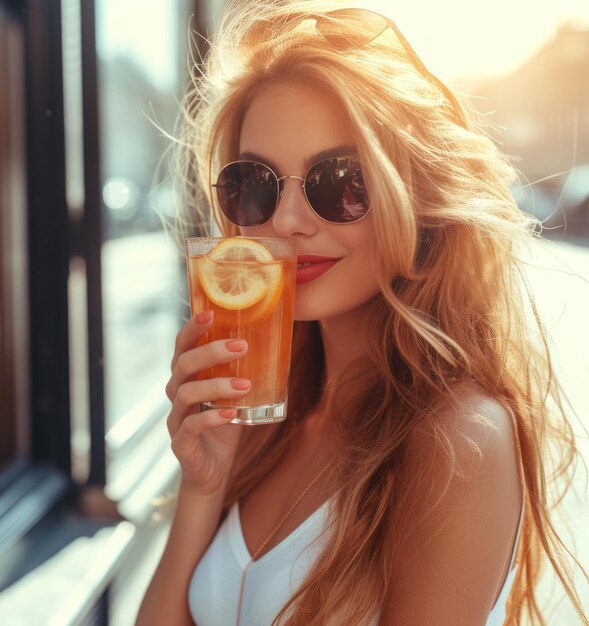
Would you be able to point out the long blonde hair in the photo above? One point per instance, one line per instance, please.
(458, 310)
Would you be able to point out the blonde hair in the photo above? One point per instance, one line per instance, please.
(456, 312)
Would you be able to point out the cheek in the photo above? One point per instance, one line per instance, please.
(351, 284)
(361, 266)
(358, 239)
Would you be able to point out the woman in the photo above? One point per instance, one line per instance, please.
(407, 484)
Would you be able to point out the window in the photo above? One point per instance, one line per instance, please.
(142, 67)
(83, 368)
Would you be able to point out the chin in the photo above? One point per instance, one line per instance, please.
(313, 313)
(316, 312)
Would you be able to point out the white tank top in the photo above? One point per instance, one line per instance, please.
(213, 593)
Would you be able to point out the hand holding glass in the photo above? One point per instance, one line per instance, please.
(249, 285)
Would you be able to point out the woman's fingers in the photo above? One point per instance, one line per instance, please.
(191, 394)
(190, 333)
(189, 363)
(204, 459)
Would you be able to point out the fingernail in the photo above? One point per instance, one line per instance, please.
(227, 413)
(241, 384)
(204, 317)
(235, 345)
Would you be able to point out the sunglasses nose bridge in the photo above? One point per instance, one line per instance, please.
(296, 177)
(281, 183)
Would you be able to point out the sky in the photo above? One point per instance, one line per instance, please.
(455, 38)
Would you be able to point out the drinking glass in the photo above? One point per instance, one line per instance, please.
(249, 285)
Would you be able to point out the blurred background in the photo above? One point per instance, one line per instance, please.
(93, 291)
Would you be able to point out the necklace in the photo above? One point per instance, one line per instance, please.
(269, 537)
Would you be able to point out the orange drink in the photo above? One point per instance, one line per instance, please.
(249, 285)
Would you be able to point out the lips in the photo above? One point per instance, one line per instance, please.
(311, 266)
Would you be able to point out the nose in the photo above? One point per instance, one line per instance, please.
(293, 216)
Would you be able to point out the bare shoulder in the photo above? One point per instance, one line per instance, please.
(464, 500)
(477, 435)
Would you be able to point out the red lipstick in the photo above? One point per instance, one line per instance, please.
(311, 266)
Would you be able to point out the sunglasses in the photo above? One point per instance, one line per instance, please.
(346, 29)
(248, 192)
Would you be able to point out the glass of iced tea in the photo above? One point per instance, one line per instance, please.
(249, 284)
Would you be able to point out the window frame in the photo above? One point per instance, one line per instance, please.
(13, 339)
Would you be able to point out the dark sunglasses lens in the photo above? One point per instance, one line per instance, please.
(336, 191)
(350, 28)
(247, 193)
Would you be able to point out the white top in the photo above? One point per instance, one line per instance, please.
(213, 593)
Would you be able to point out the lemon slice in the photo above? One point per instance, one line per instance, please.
(239, 273)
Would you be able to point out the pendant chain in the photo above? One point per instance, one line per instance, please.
(274, 531)
(287, 514)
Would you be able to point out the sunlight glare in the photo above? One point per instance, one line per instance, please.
(461, 38)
